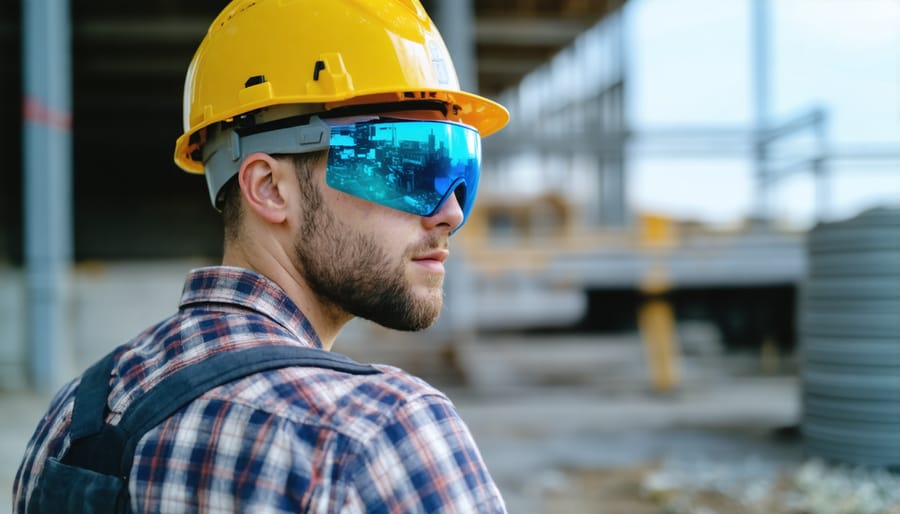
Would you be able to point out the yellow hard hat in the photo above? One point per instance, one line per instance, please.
(327, 53)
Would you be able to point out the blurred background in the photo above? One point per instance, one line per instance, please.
(680, 288)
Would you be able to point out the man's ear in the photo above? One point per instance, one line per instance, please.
(262, 186)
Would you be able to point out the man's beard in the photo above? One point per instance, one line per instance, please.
(350, 271)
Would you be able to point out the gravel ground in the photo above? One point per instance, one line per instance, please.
(759, 488)
(572, 427)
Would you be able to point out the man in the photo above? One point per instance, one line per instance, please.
(342, 154)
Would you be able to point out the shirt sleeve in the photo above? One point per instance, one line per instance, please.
(424, 460)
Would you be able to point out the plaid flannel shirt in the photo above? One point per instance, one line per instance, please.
(288, 440)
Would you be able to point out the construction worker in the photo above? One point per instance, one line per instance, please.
(342, 154)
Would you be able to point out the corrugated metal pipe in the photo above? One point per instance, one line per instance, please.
(850, 334)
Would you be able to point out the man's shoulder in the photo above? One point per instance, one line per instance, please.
(358, 406)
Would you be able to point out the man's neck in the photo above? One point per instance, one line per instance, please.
(325, 318)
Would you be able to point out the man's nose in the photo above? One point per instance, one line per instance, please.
(450, 214)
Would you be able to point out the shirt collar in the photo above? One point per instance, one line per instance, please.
(251, 290)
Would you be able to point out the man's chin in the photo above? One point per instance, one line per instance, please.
(420, 314)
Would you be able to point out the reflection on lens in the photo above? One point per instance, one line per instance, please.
(412, 166)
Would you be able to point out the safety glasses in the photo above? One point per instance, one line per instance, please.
(409, 165)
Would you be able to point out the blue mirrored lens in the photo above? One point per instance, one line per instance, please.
(412, 166)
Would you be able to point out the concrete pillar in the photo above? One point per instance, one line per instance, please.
(47, 168)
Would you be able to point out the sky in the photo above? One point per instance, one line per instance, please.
(690, 66)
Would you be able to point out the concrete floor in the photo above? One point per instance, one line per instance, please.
(544, 406)
(601, 414)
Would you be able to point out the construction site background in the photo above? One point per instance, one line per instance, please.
(612, 349)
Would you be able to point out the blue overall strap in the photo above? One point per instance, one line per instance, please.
(88, 433)
(92, 476)
(89, 412)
